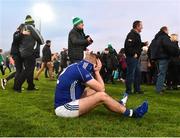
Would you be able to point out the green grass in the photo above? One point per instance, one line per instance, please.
(32, 114)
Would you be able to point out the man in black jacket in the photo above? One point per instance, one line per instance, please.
(133, 47)
(46, 61)
(165, 45)
(17, 36)
(27, 49)
(77, 41)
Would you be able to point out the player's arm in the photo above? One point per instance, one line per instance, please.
(97, 84)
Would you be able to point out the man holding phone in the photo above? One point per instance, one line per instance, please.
(77, 41)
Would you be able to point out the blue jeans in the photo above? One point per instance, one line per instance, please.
(162, 66)
(133, 75)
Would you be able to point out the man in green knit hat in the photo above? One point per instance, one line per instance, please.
(77, 41)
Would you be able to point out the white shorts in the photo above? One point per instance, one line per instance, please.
(68, 110)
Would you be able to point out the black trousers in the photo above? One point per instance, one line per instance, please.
(173, 75)
(19, 67)
(11, 76)
(7, 66)
(27, 73)
(109, 75)
(2, 70)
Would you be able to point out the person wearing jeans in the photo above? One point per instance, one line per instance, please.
(165, 45)
(133, 47)
(162, 66)
(133, 75)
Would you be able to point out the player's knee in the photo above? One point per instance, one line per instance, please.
(103, 96)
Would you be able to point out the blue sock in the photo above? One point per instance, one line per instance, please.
(128, 112)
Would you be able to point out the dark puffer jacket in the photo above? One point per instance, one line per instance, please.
(27, 45)
(164, 44)
(77, 43)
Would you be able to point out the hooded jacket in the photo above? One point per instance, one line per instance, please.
(28, 42)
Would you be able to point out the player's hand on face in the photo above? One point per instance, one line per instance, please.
(98, 66)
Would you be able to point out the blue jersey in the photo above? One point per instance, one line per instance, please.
(70, 84)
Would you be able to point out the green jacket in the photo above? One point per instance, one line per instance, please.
(1, 60)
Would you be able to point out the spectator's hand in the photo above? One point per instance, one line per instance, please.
(89, 39)
(98, 66)
(135, 56)
(26, 32)
(146, 43)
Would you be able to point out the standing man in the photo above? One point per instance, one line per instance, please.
(17, 37)
(166, 50)
(77, 41)
(46, 61)
(28, 53)
(64, 59)
(133, 47)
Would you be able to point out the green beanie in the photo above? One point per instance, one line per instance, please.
(29, 19)
(111, 49)
(77, 21)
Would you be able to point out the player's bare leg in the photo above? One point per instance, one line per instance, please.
(90, 102)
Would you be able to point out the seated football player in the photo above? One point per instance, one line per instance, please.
(78, 92)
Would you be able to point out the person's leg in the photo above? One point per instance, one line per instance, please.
(50, 70)
(2, 71)
(46, 73)
(88, 103)
(5, 80)
(175, 75)
(19, 67)
(137, 77)
(21, 77)
(40, 70)
(9, 67)
(11, 76)
(111, 76)
(131, 67)
(169, 77)
(108, 75)
(163, 65)
(31, 62)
